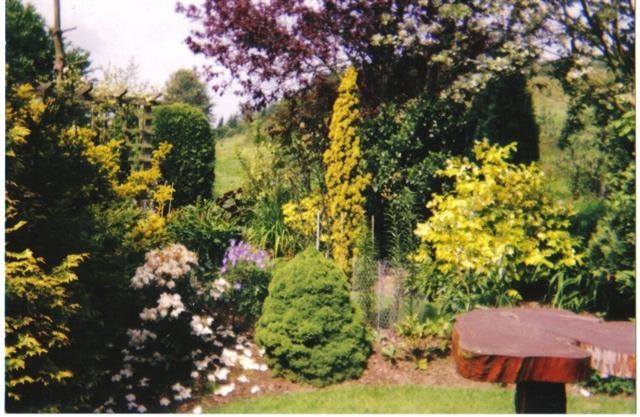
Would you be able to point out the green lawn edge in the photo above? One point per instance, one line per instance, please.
(411, 399)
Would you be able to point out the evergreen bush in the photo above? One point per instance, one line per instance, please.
(189, 165)
(310, 329)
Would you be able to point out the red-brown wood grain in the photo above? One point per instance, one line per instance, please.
(513, 345)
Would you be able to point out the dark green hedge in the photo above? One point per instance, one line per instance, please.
(310, 329)
(189, 165)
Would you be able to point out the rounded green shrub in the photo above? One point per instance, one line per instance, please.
(309, 328)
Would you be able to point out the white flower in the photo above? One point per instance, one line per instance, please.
(200, 325)
(195, 374)
(225, 390)
(173, 261)
(202, 365)
(229, 357)
(126, 372)
(143, 277)
(110, 401)
(182, 393)
(138, 337)
(171, 285)
(247, 353)
(170, 301)
(243, 379)
(211, 377)
(116, 377)
(144, 382)
(142, 409)
(261, 352)
(255, 389)
(218, 287)
(197, 410)
(149, 314)
(221, 374)
(585, 393)
(164, 401)
(130, 397)
(248, 363)
(263, 368)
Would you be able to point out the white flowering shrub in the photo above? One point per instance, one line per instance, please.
(181, 338)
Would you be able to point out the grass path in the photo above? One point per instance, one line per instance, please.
(228, 169)
(410, 399)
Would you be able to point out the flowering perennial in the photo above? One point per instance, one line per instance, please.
(242, 251)
(179, 337)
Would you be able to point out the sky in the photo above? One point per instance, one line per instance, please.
(149, 32)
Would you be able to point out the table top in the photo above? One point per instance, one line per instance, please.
(540, 344)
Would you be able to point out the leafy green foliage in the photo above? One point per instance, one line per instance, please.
(29, 49)
(249, 286)
(267, 228)
(422, 339)
(364, 274)
(309, 327)
(503, 113)
(204, 228)
(189, 168)
(402, 217)
(496, 231)
(611, 386)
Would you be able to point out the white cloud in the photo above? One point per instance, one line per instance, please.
(148, 31)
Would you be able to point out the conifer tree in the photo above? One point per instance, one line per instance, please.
(344, 176)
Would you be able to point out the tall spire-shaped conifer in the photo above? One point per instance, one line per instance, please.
(344, 176)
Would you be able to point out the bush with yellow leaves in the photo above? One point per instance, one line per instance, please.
(496, 232)
(36, 321)
(344, 177)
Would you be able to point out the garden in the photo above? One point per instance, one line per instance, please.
(396, 164)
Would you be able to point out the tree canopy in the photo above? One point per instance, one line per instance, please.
(401, 48)
(184, 86)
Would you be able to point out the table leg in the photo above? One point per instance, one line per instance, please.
(540, 398)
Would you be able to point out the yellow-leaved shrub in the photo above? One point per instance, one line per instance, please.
(36, 315)
(344, 177)
(497, 225)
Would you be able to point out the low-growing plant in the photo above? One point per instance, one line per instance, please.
(310, 329)
(610, 386)
(423, 339)
(247, 271)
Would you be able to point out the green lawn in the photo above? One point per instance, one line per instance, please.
(410, 399)
(229, 172)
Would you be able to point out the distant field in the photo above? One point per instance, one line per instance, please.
(410, 399)
(229, 171)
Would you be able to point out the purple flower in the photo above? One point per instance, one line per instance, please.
(242, 251)
(237, 286)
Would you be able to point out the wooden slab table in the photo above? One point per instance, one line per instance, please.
(540, 350)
